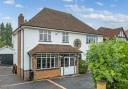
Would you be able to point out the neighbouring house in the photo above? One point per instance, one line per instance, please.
(51, 44)
(126, 32)
(6, 55)
(110, 33)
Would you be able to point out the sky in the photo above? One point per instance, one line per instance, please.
(96, 13)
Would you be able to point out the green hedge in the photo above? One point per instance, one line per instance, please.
(83, 67)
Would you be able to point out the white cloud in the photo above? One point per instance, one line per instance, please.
(68, 0)
(6, 18)
(9, 2)
(19, 6)
(98, 16)
(99, 3)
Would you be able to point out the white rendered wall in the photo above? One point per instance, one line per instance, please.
(15, 47)
(31, 40)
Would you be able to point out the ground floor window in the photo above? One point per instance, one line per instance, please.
(45, 61)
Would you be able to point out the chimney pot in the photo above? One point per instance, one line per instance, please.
(20, 20)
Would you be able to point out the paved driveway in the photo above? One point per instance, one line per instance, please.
(10, 81)
(78, 82)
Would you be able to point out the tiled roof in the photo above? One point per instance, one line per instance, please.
(109, 32)
(53, 48)
(53, 19)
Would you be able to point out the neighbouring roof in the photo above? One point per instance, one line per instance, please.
(53, 19)
(109, 32)
(53, 48)
(126, 32)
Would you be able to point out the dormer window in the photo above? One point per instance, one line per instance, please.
(45, 35)
(65, 37)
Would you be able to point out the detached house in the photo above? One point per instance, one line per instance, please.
(51, 44)
(109, 33)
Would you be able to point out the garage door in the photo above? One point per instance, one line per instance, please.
(6, 59)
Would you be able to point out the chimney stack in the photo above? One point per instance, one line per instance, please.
(20, 20)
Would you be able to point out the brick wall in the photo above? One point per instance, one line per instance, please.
(48, 73)
(43, 74)
(19, 54)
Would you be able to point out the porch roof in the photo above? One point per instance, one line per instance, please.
(53, 48)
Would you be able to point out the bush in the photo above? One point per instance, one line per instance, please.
(83, 67)
(108, 61)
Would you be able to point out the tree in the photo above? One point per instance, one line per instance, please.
(2, 27)
(8, 34)
(108, 61)
(5, 35)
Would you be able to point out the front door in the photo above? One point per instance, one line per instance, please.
(68, 66)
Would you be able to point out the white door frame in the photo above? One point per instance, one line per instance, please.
(68, 70)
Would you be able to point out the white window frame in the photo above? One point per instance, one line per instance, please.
(46, 67)
(91, 38)
(65, 37)
(45, 35)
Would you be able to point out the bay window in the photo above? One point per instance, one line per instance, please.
(46, 61)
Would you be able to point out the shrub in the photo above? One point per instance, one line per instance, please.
(108, 61)
(83, 67)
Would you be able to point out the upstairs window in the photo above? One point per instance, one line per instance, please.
(45, 35)
(65, 37)
(121, 34)
(91, 38)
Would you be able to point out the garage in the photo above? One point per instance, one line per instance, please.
(6, 56)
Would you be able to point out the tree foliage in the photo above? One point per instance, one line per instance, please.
(5, 34)
(108, 61)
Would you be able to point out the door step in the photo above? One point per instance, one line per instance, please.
(73, 75)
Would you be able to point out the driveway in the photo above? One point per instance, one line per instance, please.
(10, 81)
(83, 81)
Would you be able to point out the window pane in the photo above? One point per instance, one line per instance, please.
(45, 37)
(65, 37)
(66, 62)
(52, 62)
(41, 36)
(38, 63)
(71, 61)
(43, 62)
(62, 62)
(56, 61)
(48, 62)
(43, 55)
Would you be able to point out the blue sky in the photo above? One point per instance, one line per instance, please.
(96, 13)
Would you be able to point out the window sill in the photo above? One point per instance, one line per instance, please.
(45, 41)
(65, 42)
(47, 69)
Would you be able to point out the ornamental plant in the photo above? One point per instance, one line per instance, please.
(108, 61)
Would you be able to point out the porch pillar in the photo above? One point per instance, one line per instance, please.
(77, 64)
(34, 64)
(59, 61)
